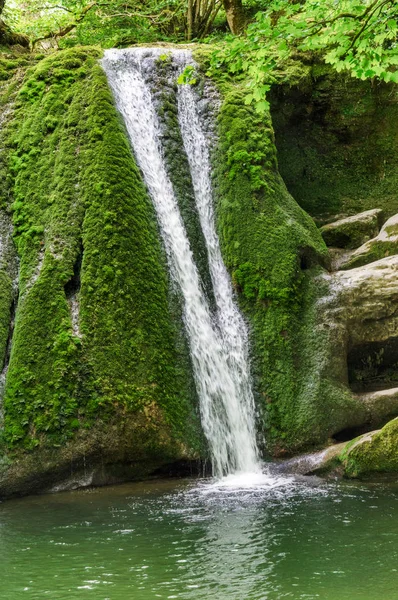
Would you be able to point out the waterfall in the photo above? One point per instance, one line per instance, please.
(218, 343)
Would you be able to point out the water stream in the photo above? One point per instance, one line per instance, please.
(218, 344)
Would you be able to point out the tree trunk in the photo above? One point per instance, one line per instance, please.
(7, 37)
(189, 20)
(235, 15)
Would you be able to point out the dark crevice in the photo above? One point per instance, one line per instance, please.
(373, 366)
(340, 240)
(72, 286)
(185, 468)
(308, 258)
(304, 263)
(345, 435)
(349, 433)
(7, 353)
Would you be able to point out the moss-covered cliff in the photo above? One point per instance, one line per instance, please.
(274, 253)
(94, 341)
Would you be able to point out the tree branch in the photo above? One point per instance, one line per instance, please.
(67, 29)
(55, 6)
(364, 26)
(326, 22)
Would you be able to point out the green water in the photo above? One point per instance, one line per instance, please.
(193, 541)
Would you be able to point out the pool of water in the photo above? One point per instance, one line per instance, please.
(269, 539)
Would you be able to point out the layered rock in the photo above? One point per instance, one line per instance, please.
(384, 244)
(365, 307)
(353, 231)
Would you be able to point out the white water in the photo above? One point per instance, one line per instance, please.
(218, 350)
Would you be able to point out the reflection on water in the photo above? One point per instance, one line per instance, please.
(262, 539)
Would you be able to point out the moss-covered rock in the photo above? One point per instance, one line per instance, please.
(128, 446)
(272, 248)
(373, 453)
(299, 326)
(99, 375)
(354, 231)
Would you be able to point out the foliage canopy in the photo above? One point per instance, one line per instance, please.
(359, 37)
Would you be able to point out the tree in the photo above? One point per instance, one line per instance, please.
(200, 17)
(122, 22)
(236, 16)
(117, 22)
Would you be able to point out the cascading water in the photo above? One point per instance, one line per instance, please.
(218, 347)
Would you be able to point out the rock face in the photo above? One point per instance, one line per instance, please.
(128, 447)
(365, 306)
(353, 231)
(97, 345)
(369, 296)
(362, 314)
(337, 143)
(357, 316)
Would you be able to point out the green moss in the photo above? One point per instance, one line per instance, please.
(374, 453)
(78, 199)
(377, 251)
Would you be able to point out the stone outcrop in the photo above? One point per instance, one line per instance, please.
(353, 231)
(361, 314)
(384, 244)
(369, 297)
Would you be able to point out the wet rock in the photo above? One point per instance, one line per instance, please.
(313, 463)
(353, 231)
